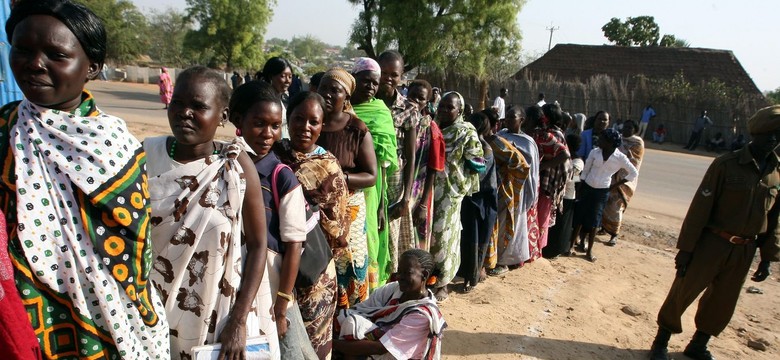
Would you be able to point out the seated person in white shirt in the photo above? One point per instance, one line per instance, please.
(602, 163)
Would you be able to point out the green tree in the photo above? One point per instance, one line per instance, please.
(635, 31)
(440, 34)
(773, 96)
(672, 41)
(125, 26)
(307, 47)
(231, 31)
(167, 30)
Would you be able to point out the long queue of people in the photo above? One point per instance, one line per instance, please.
(330, 226)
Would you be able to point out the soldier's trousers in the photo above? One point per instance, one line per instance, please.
(719, 269)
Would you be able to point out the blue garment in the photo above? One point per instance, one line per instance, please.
(587, 144)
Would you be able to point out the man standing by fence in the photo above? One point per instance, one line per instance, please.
(699, 125)
(647, 114)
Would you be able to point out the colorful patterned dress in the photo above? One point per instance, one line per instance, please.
(323, 184)
(526, 236)
(351, 262)
(74, 188)
(512, 171)
(634, 148)
(551, 143)
(459, 178)
(199, 257)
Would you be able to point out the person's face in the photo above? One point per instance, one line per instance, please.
(628, 129)
(448, 111)
(49, 64)
(391, 75)
(261, 126)
(411, 277)
(419, 96)
(305, 124)
(281, 81)
(468, 110)
(367, 83)
(334, 94)
(195, 111)
(513, 121)
(435, 93)
(764, 144)
(602, 121)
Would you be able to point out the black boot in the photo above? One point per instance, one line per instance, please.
(659, 350)
(697, 348)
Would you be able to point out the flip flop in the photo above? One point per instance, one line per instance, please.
(591, 258)
(498, 270)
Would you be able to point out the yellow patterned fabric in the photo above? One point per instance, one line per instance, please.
(75, 188)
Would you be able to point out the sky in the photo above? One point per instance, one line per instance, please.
(745, 28)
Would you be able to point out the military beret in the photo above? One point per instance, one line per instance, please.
(765, 120)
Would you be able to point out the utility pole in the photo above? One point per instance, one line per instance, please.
(551, 29)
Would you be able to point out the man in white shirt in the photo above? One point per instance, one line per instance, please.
(499, 105)
(541, 101)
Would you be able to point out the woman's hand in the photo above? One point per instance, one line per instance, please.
(420, 214)
(280, 316)
(380, 217)
(233, 339)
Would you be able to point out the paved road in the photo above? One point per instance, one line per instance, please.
(667, 182)
(667, 179)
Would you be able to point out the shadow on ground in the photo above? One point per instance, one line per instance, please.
(460, 343)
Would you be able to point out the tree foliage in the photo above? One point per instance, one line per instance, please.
(773, 96)
(167, 30)
(442, 35)
(230, 32)
(307, 47)
(639, 31)
(125, 28)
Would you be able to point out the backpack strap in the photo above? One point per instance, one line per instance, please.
(274, 188)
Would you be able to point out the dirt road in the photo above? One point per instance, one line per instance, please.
(567, 308)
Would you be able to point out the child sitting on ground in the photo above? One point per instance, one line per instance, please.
(400, 320)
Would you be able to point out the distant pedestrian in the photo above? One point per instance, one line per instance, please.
(166, 87)
(699, 125)
(247, 78)
(647, 114)
(235, 80)
(541, 101)
(499, 104)
(659, 135)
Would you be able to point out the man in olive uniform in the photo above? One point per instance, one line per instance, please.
(733, 213)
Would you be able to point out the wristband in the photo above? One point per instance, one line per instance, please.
(289, 297)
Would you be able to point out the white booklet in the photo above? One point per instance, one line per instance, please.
(257, 348)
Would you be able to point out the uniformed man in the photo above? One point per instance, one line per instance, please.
(733, 213)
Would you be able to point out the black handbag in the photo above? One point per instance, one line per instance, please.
(316, 251)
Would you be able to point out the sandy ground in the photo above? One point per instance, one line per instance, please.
(566, 308)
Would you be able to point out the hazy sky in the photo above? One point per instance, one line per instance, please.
(745, 28)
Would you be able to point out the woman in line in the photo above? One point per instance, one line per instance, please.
(415, 232)
(257, 115)
(513, 171)
(602, 163)
(79, 241)
(379, 121)
(203, 193)
(560, 233)
(459, 179)
(634, 148)
(324, 185)
(277, 71)
(348, 139)
(166, 86)
(553, 171)
(478, 211)
(401, 319)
